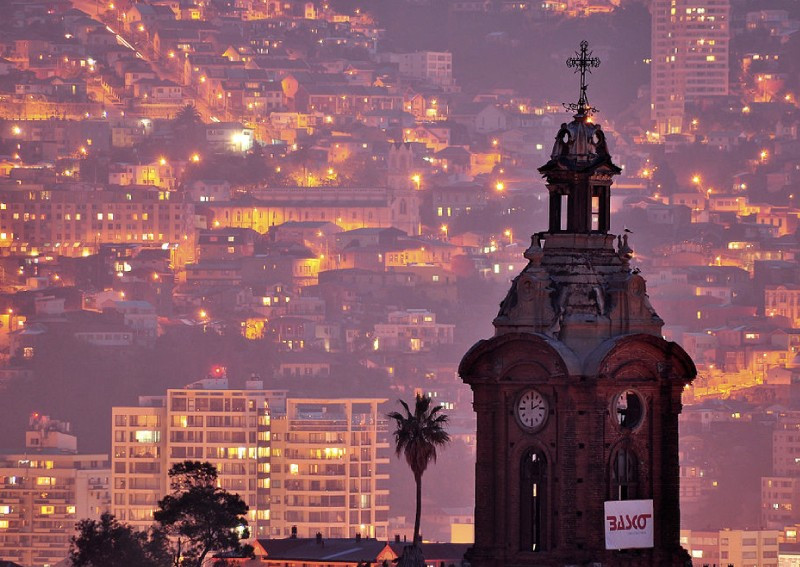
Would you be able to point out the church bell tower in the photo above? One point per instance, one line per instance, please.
(577, 394)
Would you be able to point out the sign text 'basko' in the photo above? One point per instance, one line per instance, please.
(629, 524)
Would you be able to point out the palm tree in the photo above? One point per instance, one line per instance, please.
(188, 115)
(187, 131)
(417, 436)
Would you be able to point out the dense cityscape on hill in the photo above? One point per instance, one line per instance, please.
(238, 231)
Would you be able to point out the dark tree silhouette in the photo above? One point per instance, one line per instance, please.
(187, 130)
(188, 116)
(417, 436)
(108, 543)
(201, 517)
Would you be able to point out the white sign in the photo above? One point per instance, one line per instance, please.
(629, 524)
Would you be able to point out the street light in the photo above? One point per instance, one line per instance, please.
(416, 178)
(499, 186)
(510, 235)
(444, 230)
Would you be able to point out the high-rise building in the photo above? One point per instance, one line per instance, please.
(205, 421)
(330, 469)
(689, 58)
(44, 490)
(577, 394)
(313, 464)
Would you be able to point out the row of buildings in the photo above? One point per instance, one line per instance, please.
(303, 466)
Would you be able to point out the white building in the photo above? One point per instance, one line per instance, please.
(317, 464)
(412, 330)
(436, 67)
(44, 490)
(229, 137)
(689, 58)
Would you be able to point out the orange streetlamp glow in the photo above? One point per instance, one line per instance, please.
(696, 179)
(499, 186)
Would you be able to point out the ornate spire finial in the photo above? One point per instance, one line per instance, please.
(582, 62)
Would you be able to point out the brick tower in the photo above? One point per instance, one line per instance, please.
(577, 395)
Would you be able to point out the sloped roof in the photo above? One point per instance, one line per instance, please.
(330, 550)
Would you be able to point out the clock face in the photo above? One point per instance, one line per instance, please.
(532, 409)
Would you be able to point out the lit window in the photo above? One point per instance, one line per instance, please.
(47, 510)
(147, 436)
(5, 510)
(294, 469)
(45, 481)
(70, 509)
(3, 524)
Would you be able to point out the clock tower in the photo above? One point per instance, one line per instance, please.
(577, 394)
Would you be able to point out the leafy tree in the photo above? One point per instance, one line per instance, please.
(417, 436)
(108, 543)
(201, 517)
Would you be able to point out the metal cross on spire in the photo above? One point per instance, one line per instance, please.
(582, 62)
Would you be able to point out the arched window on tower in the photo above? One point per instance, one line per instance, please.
(624, 475)
(533, 501)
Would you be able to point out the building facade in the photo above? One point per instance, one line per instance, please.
(203, 422)
(75, 221)
(690, 57)
(45, 490)
(330, 461)
(315, 464)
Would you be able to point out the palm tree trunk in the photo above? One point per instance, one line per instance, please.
(418, 513)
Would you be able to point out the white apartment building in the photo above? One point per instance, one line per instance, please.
(690, 58)
(316, 464)
(330, 461)
(436, 67)
(44, 490)
(412, 330)
(205, 422)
